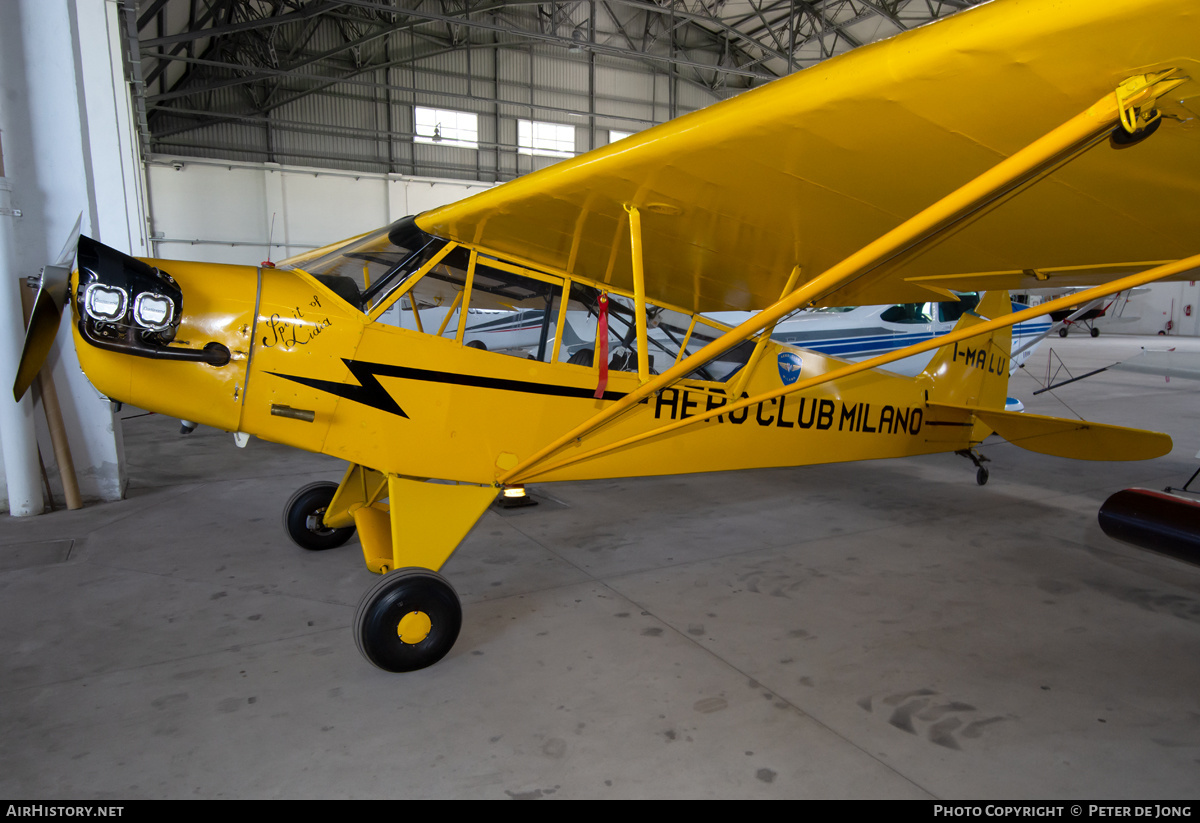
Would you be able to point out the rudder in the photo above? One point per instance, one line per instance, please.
(974, 372)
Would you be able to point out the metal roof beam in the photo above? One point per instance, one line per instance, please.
(243, 25)
(253, 73)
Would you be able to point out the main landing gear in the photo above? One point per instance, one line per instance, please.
(981, 472)
(408, 620)
(408, 529)
(302, 518)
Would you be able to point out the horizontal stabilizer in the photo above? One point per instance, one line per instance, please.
(1166, 363)
(1076, 439)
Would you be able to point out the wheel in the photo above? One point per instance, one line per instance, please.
(981, 476)
(1062, 332)
(1095, 332)
(302, 518)
(408, 620)
(477, 344)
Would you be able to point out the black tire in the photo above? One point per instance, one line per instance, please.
(1095, 332)
(310, 502)
(981, 476)
(1062, 332)
(413, 596)
(477, 344)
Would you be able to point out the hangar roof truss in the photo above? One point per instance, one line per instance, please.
(325, 82)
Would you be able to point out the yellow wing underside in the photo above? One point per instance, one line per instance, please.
(808, 169)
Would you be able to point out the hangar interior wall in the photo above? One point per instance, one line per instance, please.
(222, 212)
(1172, 309)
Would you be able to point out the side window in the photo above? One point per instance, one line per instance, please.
(433, 303)
(365, 270)
(725, 366)
(908, 313)
(507, 312)
(581, 329)
(950, 310)
(513, 313)
(667, 331)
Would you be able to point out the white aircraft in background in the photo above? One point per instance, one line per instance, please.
(858, 332)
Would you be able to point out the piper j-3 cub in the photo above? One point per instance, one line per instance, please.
(1017, 145)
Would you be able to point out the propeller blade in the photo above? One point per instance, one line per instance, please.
(47, 312)
(67, 255)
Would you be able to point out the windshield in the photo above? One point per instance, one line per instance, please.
(366, 269)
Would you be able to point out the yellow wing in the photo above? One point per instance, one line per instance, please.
(808, 169)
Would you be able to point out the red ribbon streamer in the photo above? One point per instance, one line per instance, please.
(602, 346)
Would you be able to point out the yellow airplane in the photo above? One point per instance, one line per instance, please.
(1018, 145)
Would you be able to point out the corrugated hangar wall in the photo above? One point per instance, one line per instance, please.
(363, 128)
(222, 212)
(341, 161)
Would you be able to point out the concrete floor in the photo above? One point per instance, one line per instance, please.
(874, 630)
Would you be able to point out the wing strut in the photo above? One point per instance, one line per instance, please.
(882, 360)
(1039, 158)
(639, 293)
(763, 339)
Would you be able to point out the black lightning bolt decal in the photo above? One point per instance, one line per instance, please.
(369, 392)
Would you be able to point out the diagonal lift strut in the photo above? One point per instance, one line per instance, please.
(1036, 160)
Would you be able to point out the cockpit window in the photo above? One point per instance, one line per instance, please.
(908, 313)
(667, 332)
(511, 310)
(950, 311)
(367, 269)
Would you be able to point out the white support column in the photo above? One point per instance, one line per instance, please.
(17, 432)
(71, 145)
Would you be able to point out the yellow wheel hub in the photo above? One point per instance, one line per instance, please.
(414, 627)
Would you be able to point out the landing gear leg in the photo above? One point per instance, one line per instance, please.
(981, 472)
(410, 618)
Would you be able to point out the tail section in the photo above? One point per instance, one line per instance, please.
(1075, 439)
(968, 382)
(974, 372)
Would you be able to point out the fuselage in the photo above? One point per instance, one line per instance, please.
(384, 374)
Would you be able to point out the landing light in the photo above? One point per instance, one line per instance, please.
(514, 497)
(104, 303)
(153, 311)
